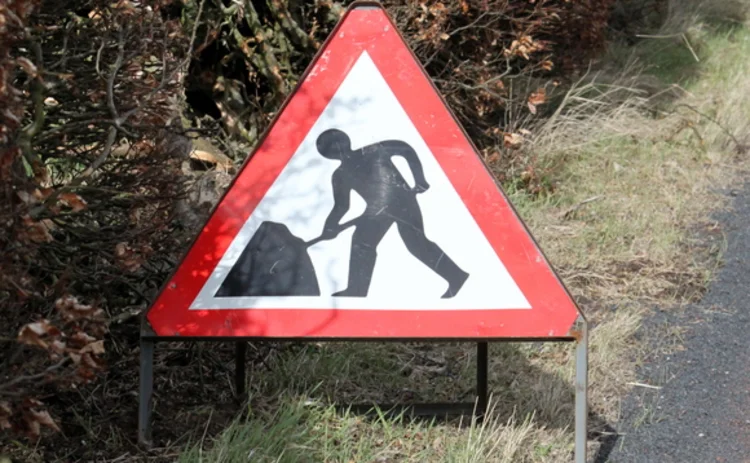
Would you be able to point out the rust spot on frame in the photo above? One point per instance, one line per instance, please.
(576, 334)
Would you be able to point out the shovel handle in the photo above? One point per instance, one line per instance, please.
(342, 227)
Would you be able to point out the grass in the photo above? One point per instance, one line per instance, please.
(301, 431)
(636, 181)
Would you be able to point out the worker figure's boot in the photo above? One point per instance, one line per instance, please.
(453, 274)
(455, 285)
(361, 268)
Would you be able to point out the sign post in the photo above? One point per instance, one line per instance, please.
(581, 387)
(365, 213)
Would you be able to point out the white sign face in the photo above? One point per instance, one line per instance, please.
(396, 261)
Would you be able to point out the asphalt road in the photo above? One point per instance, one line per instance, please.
(701, 413)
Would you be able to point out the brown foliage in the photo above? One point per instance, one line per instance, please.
(491, 59)
(13, 16)
(89, 178)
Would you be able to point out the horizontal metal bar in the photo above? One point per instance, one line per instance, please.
(157, 338)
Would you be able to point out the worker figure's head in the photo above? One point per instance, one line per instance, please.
(334, 144)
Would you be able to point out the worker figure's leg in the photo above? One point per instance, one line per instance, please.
(367, 235)
(430, 253)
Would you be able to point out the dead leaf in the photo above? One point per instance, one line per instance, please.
(42, 193)
(34, 428)
(206, 156)
(27, 66)
(44, 418)
(82, 339)
(35, 418)
(35, 232)
(96, 348)
(27, 198)
(528, 174)
(204, 150)
(127, 7)
(95, 14)
(84, 373)
(71, 309)
(57, 347)
(41, 173)
(134, 69)
(547, 65)
(127, 258)
(536, 98)
(89, 361)
(96, 96)
(5, 414)
(73, 201)
(512, 140)
(32, 333)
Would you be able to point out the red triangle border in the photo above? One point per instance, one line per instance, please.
(368, 29)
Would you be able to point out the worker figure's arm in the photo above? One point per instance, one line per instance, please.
(420, 183)
(341, 193)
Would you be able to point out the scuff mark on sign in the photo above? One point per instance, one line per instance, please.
(322, 64)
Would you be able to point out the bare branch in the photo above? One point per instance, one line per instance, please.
(99, 59)
(741, 147)
(113, 75)
(20, 379)
(51, 199)
(290, 26)
(111, 136)
(166, 77)
(266, 63)
(28, 133)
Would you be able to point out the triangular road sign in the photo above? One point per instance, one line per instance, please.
(364, 212)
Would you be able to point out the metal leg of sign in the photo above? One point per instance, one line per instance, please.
(482, 366)
(581, 383)
(146, 391)
(239, 369)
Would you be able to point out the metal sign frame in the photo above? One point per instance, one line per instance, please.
(577, 334)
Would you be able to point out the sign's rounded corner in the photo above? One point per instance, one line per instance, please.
(365, 5)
